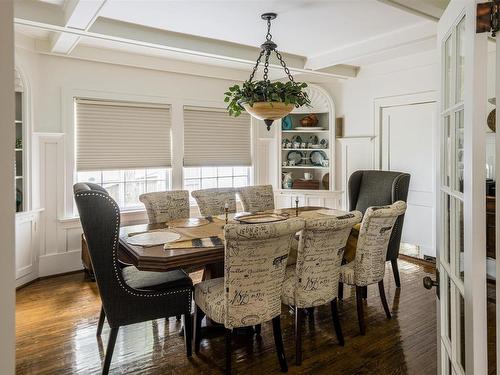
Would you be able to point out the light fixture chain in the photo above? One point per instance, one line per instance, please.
(283, 64)
(269, 36)
(256, 66)
(266, 65)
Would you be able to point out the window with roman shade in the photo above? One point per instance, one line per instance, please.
(112, 135)
(214, 139)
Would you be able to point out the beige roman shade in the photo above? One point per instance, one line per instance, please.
(212, 138)
(122, 135)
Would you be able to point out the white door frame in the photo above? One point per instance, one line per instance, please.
(473, 105)
(394, 101)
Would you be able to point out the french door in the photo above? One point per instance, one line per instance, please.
(461, 221)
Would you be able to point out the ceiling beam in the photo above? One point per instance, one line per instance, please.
(80, 15)
(429, 12)
(385, 43)
(185, 46)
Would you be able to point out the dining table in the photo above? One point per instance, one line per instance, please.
(200, 241)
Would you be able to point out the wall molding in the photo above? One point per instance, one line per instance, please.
(52, 264)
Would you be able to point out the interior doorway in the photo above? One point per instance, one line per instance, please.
(406, 143)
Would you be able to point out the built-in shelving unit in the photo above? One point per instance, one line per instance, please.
(298, 144)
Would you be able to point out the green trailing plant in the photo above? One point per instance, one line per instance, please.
(264, 91)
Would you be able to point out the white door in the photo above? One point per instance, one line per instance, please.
(408, 145)
(461, 223)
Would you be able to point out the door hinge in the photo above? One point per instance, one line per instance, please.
(487, 17)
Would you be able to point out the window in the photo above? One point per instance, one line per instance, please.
(125, 186)
(215, 177)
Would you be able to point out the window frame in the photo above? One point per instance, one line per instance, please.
(69, 177)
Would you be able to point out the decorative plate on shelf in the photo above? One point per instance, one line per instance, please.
(313, 140)
(316, 157)
(324, 143)
(297, 139)
(309, 128)
(295, 156)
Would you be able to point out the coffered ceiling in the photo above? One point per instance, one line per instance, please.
(315, 35)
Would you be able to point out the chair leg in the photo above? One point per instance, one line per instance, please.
(383, 299)
(228, 351)
(395, 271)
(258, 329)
(188, 334)
(178, 318)
(365, 292)
(100, 324)
(310, 312)
(278, 341)
(359, 303)
(341, 291)
(336, 322)
(198, 317)
(109, 351)
(298, 335)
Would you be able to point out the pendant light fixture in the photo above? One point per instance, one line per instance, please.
(266, 100)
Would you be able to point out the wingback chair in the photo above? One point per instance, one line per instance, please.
(379, 188)
(257, 198)
(163, 206)
(313, 280)
(250, 291)
(128, 295)
(368, 266)
(211, 202)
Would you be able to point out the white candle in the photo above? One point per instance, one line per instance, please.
(226, 205)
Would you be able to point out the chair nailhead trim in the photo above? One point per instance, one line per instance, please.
(115, 249)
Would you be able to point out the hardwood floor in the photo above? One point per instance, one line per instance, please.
(57, 322)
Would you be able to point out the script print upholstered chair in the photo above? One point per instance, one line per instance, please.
(379, 188)
(211, 202)
(128, 295)
(166, 205)
(250, 291)
(313, 281)
(257, 198)
(368, 266)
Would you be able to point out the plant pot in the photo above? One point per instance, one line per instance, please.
(268, 111)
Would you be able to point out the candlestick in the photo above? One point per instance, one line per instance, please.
(297, 206)
(226, 211)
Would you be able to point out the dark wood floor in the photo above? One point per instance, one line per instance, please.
(57, 318)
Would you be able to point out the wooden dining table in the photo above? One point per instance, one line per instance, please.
(208, 254)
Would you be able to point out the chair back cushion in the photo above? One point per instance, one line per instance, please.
(374, 234)
(257, 198)
(255, 261)
(166, 205)
(380, 188)
(211, 202)
(319, 257)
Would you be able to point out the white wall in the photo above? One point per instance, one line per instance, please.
(7, 206)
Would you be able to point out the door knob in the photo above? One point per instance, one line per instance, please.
(429, 283)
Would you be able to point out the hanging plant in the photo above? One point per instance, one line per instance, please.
(289, 93)
(266, 100)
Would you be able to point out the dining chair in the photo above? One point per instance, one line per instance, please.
(164, 206)
(313, 280)
(369, 188)
(211, 202)
(128, 295)
(368, 266)
(256, 198)
(250, 291)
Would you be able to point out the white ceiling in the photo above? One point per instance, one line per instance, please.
(319, 37)
(303, 27)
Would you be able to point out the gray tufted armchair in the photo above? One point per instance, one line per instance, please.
(380, 188)
(128, 295)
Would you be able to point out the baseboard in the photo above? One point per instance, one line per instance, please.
(53, 264)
